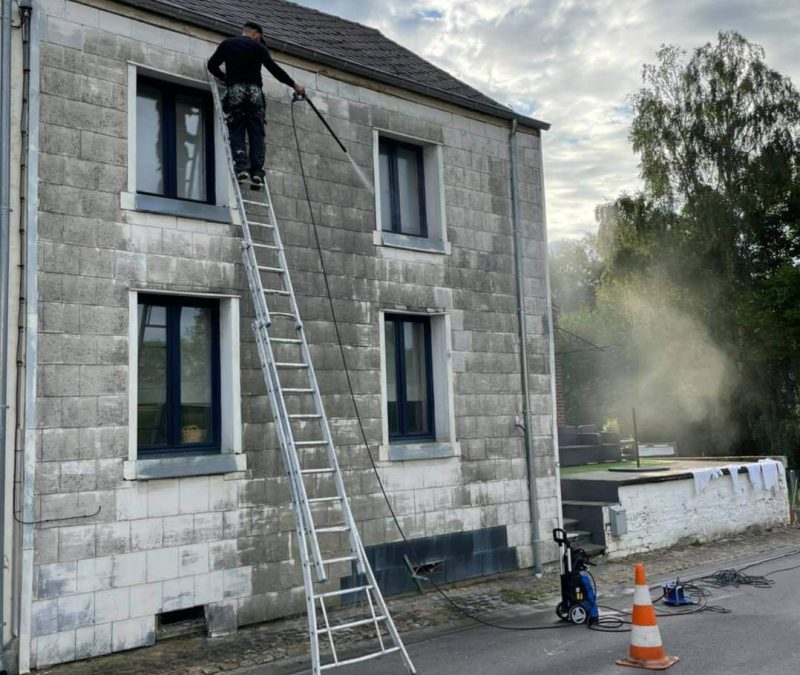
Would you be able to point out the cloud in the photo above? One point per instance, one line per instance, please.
(572, 63)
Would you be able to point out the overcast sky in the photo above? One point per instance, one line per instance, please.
(572, 63)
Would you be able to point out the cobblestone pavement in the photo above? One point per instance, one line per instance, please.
(264, 643)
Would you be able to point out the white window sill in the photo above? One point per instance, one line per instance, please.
(181, 467)
(404, 452)
(435, 247)
(132, 201)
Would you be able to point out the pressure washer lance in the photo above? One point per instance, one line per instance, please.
(304, 97)
(578, 596)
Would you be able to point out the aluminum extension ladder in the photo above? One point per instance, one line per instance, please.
(319, 502)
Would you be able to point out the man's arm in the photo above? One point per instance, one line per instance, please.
(275, 70)
(214, 64)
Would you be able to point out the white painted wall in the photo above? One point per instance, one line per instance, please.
(663, 514)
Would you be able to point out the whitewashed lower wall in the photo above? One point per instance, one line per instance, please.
(663, 514)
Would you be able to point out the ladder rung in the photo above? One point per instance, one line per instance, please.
(288, 341)
(250, 201)
(344, 591)
(276, 270)
(310, 471)
(275, 291)
(333, 561)
(255, 222)
(284, 314)
(359, 659)
(353, 624)
(269, 246)
(334, 528)
(309, 444)
(298, 391)
(298, 366)
(304, 416)
(320, 500)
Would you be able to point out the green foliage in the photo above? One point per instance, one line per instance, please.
(576, 270)
(699, 286)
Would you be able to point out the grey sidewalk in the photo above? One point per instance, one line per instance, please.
(421, 616)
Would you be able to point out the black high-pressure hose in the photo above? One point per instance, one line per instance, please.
(406, 543)
(302, 97)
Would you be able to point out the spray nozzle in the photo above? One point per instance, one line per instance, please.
(296, 96)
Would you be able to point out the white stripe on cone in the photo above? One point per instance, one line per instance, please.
(645, 636)
(641, 596)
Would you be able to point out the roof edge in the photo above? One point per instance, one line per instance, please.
(201, 20)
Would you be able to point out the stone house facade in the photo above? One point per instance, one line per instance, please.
(133, 501)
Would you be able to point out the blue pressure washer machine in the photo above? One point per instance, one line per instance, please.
(578, 597)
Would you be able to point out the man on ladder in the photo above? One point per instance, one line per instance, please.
(244, 102)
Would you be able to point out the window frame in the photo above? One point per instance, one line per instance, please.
(173, 304)
(402, 402)
(393, 145)
(169, 91)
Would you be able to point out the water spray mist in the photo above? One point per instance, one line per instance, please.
(364, 180)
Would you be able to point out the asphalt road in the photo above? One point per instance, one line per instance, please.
(760, 635)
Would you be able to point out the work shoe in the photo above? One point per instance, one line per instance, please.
(242, 176)
(256, 182)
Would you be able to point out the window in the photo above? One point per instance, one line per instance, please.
(174, 141)
(409, 381)
(402, 188)
(178, 370)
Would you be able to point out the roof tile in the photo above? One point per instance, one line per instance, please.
(305, 31)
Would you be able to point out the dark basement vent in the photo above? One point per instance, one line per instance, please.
(191, 621)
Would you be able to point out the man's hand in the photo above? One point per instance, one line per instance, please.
(300, 89)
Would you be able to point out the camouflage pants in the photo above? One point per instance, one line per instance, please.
(244, 107)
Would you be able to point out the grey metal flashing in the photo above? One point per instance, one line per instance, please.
(413, 451)
(396, 240)
(175, 11)
(180, 467)
(182, 209)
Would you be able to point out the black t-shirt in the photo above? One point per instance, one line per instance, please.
(243, 58)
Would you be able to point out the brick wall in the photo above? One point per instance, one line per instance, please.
(101, 576)
(660, 515)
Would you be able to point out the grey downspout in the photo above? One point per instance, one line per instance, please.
(5, 258)
(525, 373)
(25, 8)
(28, 469)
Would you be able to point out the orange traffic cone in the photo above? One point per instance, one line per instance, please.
(647, 651)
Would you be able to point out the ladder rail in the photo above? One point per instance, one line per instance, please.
(314, 384)
(301, 504)
(262, 313)
(379, 600)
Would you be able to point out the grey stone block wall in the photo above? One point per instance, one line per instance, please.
(116, 553)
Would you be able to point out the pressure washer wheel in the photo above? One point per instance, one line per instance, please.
(577, 614)
(562, 610)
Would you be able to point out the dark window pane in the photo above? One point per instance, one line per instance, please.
(196, 375)
(190, 148)
(152, 380)
(386, 189)
(391, 377)
(408, 191)
(149, 144)
(416, 378)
